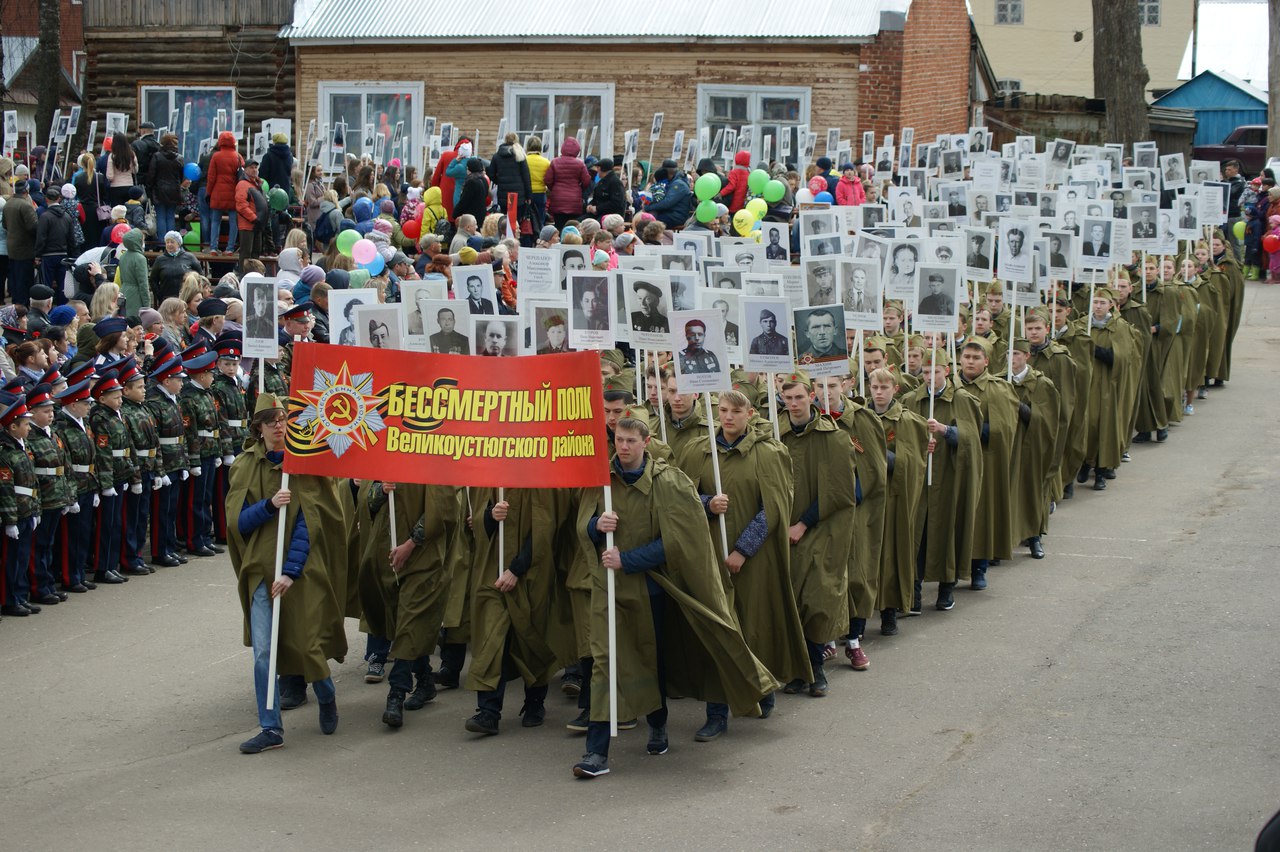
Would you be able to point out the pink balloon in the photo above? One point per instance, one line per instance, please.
(363, 251)
(817, 184)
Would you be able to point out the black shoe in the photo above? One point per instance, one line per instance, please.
(48, 600)
(1083, 476)
(1037, 549)
(1069, 491)
(17, 611)
(108, 578)
(133, 571)
(264, 741)
(62, 596)
(165, 561)
(819, 686)
(182, 560)
(571, 685)
(393, 716)
(533, 714)
(794, 687)
(1142, 438)
(1107, 473)
(217, 549)
(423, 694)
(888, 622)
(1162, 435)
(715, 726)
(580, 722)
(1099, 484)
(34, 609)
(122, 578)
(657, 740)
(917, 607)
(1217, 383)
(328, 717)
(483, 723)
(292, 700)
(78, 588)
(445, 679)
(202, 551)
(945, 602)
(89, 584)
(766, 705)
(591, 766)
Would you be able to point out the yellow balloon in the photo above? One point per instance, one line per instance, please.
(758, 207)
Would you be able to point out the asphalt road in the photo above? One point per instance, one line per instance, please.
(1120, 694)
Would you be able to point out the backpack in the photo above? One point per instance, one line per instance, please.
(444, 230)
(324, 228)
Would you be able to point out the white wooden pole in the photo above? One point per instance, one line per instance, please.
(502, 495)
(275, 601)
(613, 626)
(715, 469)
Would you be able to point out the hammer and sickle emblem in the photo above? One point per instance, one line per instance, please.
(342, 408)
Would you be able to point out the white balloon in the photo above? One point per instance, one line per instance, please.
(804, 196)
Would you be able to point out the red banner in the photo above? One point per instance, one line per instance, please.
(530, 422)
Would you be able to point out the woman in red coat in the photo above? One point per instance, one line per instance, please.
(224, 171)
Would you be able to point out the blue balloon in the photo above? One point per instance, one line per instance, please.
(824, 196)
(374, 266)
(191, 171)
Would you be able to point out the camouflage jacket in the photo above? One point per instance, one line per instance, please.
(146, 438)
(81, 453)
(49, 455)
(200, 418)
(114, 448)
(233, 416)
(170, 431)
(19, 488)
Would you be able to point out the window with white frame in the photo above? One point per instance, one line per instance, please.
(382, 118)
(1149, 12)
(158, 104)
(777, 112)
(1008, 11)
(1008, 86)
(584, 110)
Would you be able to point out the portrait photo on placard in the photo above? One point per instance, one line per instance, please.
(860, 292)
(1095, 243)
(820, 339)
(1014, 257)
(727, 304)
(261, 322)
(746, 257)
(776, 237)
(872, 246)
(342, 307)
(755, 284)
(815, 223)
(901, 269)
(378, 326)
(698, 244)
(942, 249)
(546, 327)
(723, 278)
(1060, 249)
(1173, 171)
(494, 336)
(1186, 215)
(824, 245)
(938, 299)
(766, 330)
(701, 357)
(591, 311)
(978, 251)
(684, 288)
(572, 259)
(871, 215)
(906, 210)
(648, 303)
(413, 292)
(677, 260)
(820, 277)
(445, 324)
(476, 288)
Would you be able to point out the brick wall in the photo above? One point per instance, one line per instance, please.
(22, 18)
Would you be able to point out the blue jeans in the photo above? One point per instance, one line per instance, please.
(539, 212)
(376, 648)
(202, 204)
(215, 229)
(165, 214)
(260, 635)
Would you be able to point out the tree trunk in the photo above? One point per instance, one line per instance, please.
(1273, 81)
(1119, 75)
(48, 66)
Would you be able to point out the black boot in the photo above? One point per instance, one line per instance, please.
(889, 622)
(393, 716)
(423, 694)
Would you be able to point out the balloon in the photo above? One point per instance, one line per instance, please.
(412, 229)
(363, 251)
(279, 199)
(757, 180)
(707, 187)
(1238, 230)
(804, 196)
(817, 184)
(824, 197)
(374, 266)
(1271, 243)
(265, 188)
(774, 190)
(757, 207)
(706, 211)
(347, 240)
(118, 232)
(743, 222)
(191, 171)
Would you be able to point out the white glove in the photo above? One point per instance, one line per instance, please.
(157, 483)
(167, 481)
(185, 475)
(135, 488)
(11, 531)
(217, 461)
(35, 522)
(74, 508)
(109, 492)
(228, 459)
(66, 510)
(97, 501)
(195, 471)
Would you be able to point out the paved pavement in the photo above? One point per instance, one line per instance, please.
(1120, 694)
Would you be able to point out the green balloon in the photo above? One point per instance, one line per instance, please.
(1238, 230)
(757, 180)
(346, 240)
(706, 209)
(774, 190)
(279, 199)
(707, 187)
(265, 188)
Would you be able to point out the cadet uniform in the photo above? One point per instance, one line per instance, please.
(19, 506)
(146, 448)
(76, 531)
(171, 463)
(49, 457)
(200, 417)
(233, 424)
(116, 470)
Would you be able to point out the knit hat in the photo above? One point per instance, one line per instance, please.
(338, 279)
(118, 212)
(383, 226)
(547, 232)
(387, 206)
(467, 255)
(312, 274)
(475, 164)
(600, 258)
(173, 235)
(280, 138)
(68, 191)
(623, 240)
(395, 163)
(149, 316)
(136, 193)
(62, 315)
(413, 193)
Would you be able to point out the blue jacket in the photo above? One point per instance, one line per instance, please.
(674, 208)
